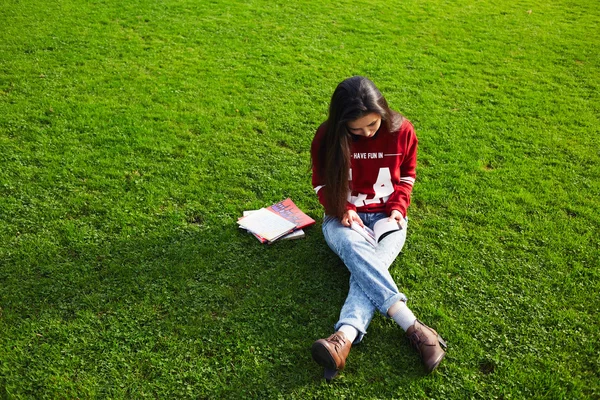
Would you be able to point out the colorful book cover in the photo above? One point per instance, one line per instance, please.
(288, 210)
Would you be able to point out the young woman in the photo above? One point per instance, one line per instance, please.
(364, 160)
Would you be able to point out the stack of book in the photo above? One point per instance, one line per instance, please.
(283, 220)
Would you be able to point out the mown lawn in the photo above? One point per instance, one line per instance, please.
(133, 134)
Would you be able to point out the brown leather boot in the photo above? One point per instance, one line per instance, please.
(331, 353)
(427, 342)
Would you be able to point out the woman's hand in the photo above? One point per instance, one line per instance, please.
(349, 217)
(397, 215)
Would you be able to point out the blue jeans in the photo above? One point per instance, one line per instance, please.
(371, 285)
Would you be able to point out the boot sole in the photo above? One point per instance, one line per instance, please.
(437, 363)
(322, 357)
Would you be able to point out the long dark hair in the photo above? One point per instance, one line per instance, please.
(353, 98)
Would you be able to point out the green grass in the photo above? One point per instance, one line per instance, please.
(133, 134)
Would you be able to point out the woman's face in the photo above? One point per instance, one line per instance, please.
(365, 126)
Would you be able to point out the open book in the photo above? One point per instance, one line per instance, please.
(381, 229)
(281, 220)
(296, 234)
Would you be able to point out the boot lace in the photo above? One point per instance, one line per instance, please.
(337, 340)
(416, 340)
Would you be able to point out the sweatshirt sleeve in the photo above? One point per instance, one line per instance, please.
(400, 199)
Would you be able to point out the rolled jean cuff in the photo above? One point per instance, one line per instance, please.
(391, 301)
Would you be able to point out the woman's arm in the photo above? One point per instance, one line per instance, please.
(400, 198)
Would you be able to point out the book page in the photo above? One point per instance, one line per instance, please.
(365, 232)
(266, 224)
(383, 227)
(297, 234)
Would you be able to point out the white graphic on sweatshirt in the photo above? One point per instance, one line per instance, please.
(383, 188)
(373, 156)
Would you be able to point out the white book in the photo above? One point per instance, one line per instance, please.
(297, 234)
(266, 224)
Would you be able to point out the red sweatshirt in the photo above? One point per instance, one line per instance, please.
(383, 170)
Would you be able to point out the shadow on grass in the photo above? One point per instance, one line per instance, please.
(195, 312)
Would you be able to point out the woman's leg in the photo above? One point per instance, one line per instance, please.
(369, 264)
(371, 288)
(357, 311)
